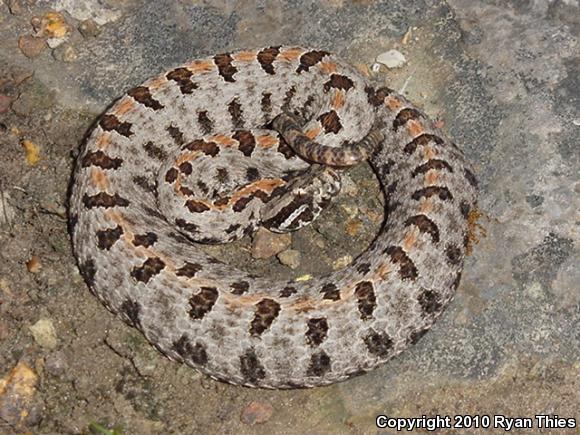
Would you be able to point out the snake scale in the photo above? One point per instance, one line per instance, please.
(207, 152)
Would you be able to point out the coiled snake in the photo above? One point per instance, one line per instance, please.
(207, 152)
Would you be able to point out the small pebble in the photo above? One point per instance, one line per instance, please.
(44, 333)
(266, 244)
(31, 152)
(353, 227)
(36, 23)
(290, 258)
(392, 59)
(5, 102)
(342, 262)
(31, 46)
(53, 25)
(33, 265)
(89, 28)
(256, 413)
(65, 53)
(17, 397)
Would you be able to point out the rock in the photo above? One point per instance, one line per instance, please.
(31, 46)
(44, 333)
(256, 413)
(65, 53)
(290, 258)
(266, 244)
(342, 262)
(31, 152)
(5, 102)
(54, 26)
(18, 406)
(33, 265)
(391, 59)
(89, 28)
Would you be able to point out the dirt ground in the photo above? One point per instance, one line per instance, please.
(503, 80)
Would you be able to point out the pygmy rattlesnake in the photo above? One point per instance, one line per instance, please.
(207, 152)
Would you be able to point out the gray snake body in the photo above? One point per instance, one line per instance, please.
(189, 156)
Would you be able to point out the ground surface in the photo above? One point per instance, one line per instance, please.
(502, 77)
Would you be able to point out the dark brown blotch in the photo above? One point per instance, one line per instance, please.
(266, 103)
(107, 238)
(266, 58)
(288, 98)
(425, 225)
(453, 254)
(151, 267)
(415, 336)
(330, 291)
(142, 95)
(308, 60)
(330, 122)
(111, 123)
(88, 271)
(186, 191)
(195, 353)
(182, 76)
(187, 226)
(242, 203)
(143, 183)
(235, 110)
(201, 303)
(287, 291)
(338, 81)
(186, 168)
(266, 312)
(407, 269)
(103, 199)
(208, 148)
(146, 240)
(154, 151)
(363, 268)
(470, 177)
(422, 140)
(196, 206)
(246, 142)
(252, 174)
(285, 149)
(225, 67)
(456, 281)
(232, 228)
(430, 301)
(132, 310)
(319, 364)
(427, 192)
(222, 201)
(250, 367)
(189, 270)
(405, 116)
(378, 343)
(433, 164)
(100, 159)
(367, 301)
(176, 134)
(205, 123)
(171, 175)
(240, 287)
(317, 331)
(377, 97)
